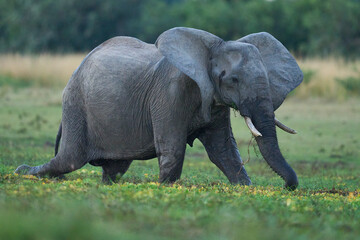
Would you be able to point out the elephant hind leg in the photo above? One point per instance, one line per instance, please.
(55, 168)
(111, 168)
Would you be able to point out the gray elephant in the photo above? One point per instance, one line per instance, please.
(132, 100)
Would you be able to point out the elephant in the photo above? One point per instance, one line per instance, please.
(130, 100)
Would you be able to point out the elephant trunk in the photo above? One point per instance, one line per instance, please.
(269, 147)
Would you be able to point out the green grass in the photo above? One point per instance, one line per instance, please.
(202, 205)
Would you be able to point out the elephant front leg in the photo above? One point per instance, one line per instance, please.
(225, 155)
(221, 147)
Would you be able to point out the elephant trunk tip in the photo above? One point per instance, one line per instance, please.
(291, 184)
(291, 181)
(289, 176)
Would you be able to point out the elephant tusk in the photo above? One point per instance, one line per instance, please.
(252, 128)
(285, 128)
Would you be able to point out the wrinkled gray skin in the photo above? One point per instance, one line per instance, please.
(132, 100)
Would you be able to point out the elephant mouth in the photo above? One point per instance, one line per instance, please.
(244, 112)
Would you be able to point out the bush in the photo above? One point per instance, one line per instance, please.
(308, 75)
(351, 84)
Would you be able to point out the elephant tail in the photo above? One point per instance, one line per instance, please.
(58, 137)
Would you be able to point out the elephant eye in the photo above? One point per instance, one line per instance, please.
(235, 79)
(222, 74)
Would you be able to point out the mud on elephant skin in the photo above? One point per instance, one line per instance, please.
(130, 100)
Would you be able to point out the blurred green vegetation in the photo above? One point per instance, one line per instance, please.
(351, 84)
(306, 27)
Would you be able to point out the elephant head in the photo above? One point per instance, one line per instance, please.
(253, 75)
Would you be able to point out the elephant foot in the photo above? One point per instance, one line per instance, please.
(108, 179)
(242, 182)
(61, 177)
(246, 182)
(241, 177)
(24, 170)
(113, 170)
(28, 170)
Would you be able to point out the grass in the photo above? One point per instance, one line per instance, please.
(42, 70)
(202, 205)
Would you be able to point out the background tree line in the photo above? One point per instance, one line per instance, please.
(306, 27)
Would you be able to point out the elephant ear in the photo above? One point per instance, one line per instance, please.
(283, 71)
(189, 50)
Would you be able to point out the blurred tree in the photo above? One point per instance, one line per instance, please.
(306, 27)
(333, 28)
(155, 18)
